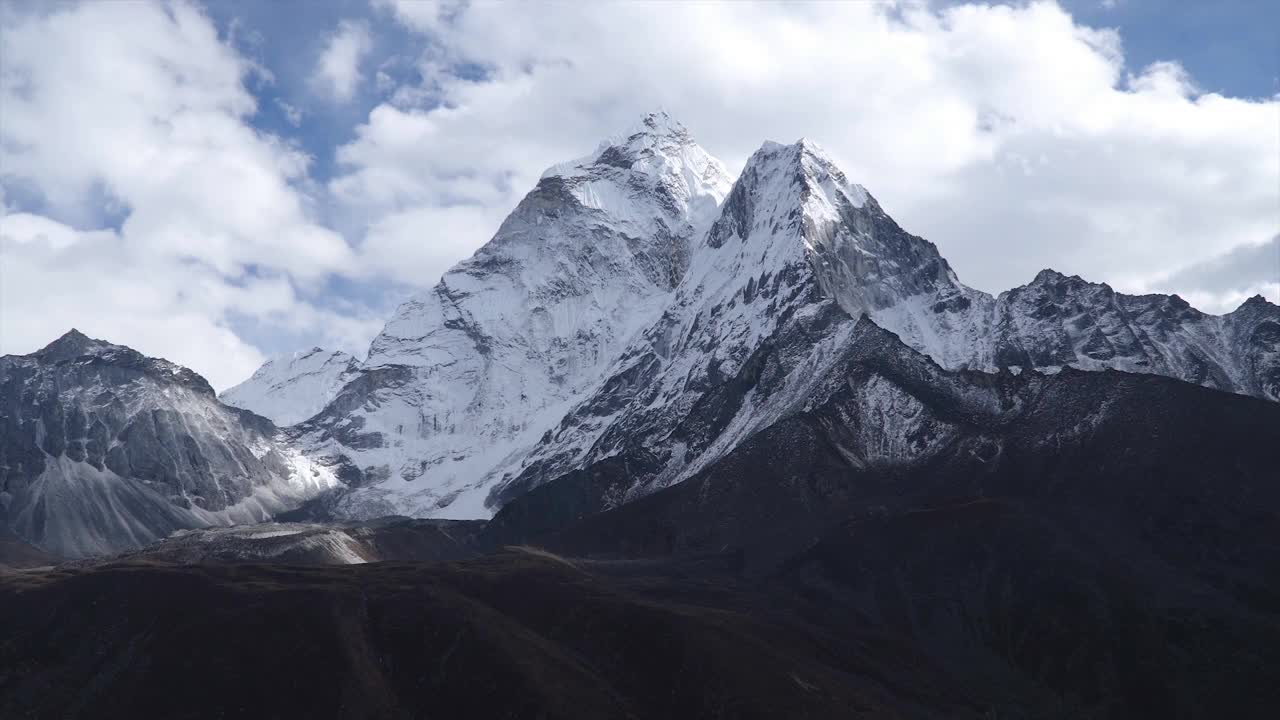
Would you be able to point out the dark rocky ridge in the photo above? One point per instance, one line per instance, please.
(1096, 544)
(899, 431)
(103, 449)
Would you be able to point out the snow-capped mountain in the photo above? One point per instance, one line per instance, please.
(631, 299)
(466, 377)
(636, 304)
(770, 299)
(770, 302)
(103, 449)
(1058, 321)
(291, 388)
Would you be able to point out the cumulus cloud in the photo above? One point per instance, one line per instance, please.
(338, 71)
(52, 274)
(155, 209)
(1012, 136)
(416, 245)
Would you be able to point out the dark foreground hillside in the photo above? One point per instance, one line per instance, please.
(518, 634)
(974, 611)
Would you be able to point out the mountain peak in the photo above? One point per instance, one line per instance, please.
(1048, 275)
(806, 163)
(810, 147)
(659, 123)
(656, 162)
(783, 184)
(1257, 301)
(70, 338)
(656, 144)
(72, 344)
(798, 151)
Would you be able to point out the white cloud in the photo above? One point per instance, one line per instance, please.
(140, 117)
(417, 245)
(54, 277)
(1011, 136)
(338, 71)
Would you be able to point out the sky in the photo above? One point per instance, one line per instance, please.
(216, 183)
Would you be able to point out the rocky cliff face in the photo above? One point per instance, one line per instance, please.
(885, 429)
(103, 449)
(1058, 321)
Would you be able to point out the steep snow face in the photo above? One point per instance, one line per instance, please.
(291, 388)
(104, 450)
(473, 372)
(859, 257)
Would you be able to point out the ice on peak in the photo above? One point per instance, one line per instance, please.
(793, 153)
(805, 163)
(796, 190)
(811, 148)
(646, 177)
(642, 147)
(654, 129)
